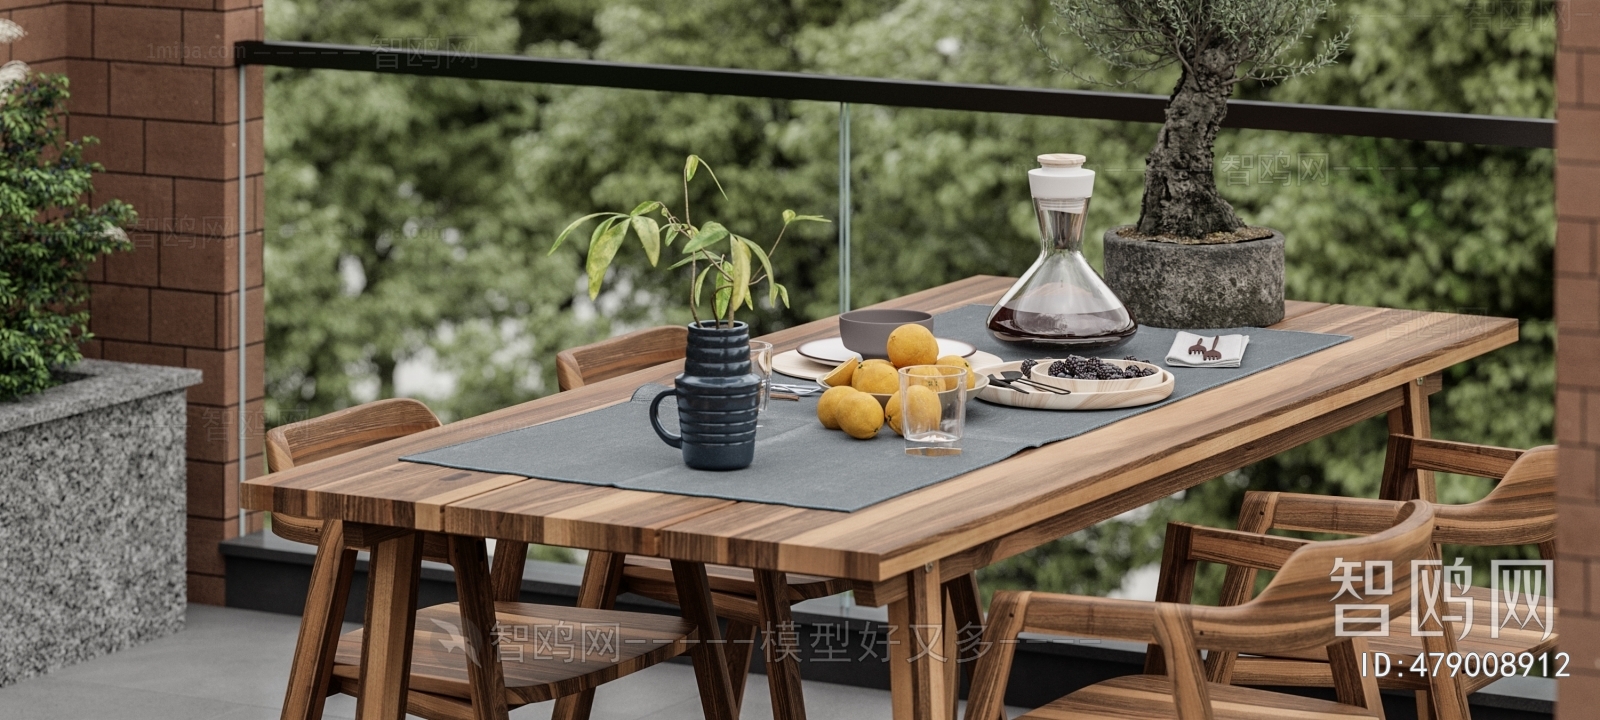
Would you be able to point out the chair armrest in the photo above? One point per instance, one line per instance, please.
(1236, 548)
(1092, 617)
(1485, 461)
(1326, 513)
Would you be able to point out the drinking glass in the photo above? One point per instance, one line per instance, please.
(761, 365)
(933, 409)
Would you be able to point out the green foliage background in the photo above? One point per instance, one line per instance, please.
(407, 218)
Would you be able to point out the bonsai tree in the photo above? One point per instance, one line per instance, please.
(48, 234)
(734, 264)
(1211, 41)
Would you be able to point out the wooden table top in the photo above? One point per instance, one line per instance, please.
(1054, 486)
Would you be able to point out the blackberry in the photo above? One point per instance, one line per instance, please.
(1027, 365)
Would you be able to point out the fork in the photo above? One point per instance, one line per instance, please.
(1198, 348)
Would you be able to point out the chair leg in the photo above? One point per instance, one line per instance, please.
(485, 678)
(602, 583)
(783, 663)
(1424, 705)
(742, 639)
(311, 674)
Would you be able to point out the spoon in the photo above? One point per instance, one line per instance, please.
(1016, 377)
(1007, 384)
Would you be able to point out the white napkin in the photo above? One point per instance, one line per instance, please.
(1225, 351)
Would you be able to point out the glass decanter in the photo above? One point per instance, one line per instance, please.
(1061, 303)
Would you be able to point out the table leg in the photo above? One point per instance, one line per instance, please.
(485, 676)
(710, 662)
(783, 663)
(312, 669)
(917, 674)
(390, 622)
(1411, 418)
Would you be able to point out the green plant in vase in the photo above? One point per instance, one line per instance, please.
(718, 396)
(734, 264)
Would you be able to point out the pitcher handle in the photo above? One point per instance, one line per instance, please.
(655, 419)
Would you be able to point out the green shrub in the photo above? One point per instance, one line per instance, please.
(48, 236)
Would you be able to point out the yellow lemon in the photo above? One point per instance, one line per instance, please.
(932, 377)
(840, 376)
(912, 345)
(859, 415)
(874, 377)
(924, 404)
(960, 362)
(828, 405)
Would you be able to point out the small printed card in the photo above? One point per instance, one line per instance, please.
(1220, 351)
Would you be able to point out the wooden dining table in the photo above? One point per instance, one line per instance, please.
(899, 551)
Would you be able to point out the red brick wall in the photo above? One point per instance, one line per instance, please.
(154, 81)
(1578, 351)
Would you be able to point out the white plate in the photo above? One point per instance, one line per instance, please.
(793, 364)
(832, 350)
(1045, 400)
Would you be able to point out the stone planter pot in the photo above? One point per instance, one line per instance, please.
(1197, 286)
(92, 515)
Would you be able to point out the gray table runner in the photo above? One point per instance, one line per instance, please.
(800, 464)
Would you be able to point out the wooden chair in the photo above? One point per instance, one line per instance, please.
(543, 652)
(748, 600)
(1520, 510)
(1293, 612)
(623, 354)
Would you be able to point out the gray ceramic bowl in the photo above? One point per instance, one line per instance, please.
(867, 331)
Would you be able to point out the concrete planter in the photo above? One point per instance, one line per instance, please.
(1197, 286)
(92, 514)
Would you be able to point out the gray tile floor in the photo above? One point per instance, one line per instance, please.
(232, 665)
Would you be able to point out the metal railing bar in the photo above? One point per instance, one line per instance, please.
(1084, 104)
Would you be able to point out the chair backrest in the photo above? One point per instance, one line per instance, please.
(345, 430)
(1520, 510)
(1295, 610)
(623, 354)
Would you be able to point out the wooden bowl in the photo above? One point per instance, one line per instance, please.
(883, 399)
(1042, 400)
(1041, 374)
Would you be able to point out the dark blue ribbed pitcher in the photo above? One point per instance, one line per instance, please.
(718, 398)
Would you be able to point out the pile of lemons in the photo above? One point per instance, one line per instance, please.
(850, 405)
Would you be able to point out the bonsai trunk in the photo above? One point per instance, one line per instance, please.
(1180, 189)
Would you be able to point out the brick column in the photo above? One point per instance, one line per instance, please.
(1578, 351)
(154, 80)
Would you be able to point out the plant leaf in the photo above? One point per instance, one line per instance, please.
(741, 272)
(607, 240)
(700, 281)
(689, 166)
(724, 292)
(645, 207)
(673, 231)
(783, 293)
(574, 226)
(649, 236)
(788, 216)
(710, 234)
(766, 267)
